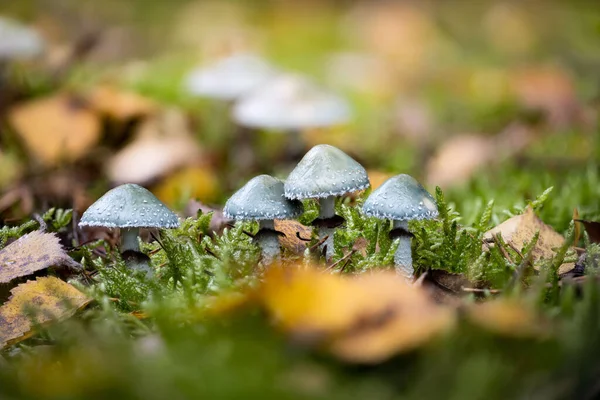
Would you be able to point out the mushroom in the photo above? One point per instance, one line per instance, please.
(129, 207)
(230, 77)
(290, 103)
(227, 80)
(401, 199)
(324, 173)
(261, 199)
(18, 41)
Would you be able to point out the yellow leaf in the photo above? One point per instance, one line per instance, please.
(37, 303)
(56, 128)
(32, 252)
(376, 178)
(506, 317)
(190, 183)
(363, 319)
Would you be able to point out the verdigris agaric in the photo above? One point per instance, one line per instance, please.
(290, 104)
(326, 173)
(18, 41)
(129, 207)
(229, 78)
(401, 199)
(261, 199)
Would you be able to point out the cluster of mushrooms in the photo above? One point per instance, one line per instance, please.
(324, 173)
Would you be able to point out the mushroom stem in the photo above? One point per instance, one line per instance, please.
(129, 239)
(403, 255)
(268, 240)
(327, 207)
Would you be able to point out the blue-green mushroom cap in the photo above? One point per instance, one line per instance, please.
(401, 198)
(325, 171)
(18, 41)
(261, 199)
(129, 206)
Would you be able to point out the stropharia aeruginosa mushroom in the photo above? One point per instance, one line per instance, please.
(230, 77)
(262, 200)
(291, 103)
(401, 199)
(325, 173)
(129, 207)
(18, 41)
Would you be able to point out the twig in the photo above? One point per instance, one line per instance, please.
(320, 242)
(40, 220)
(478, 290)
(346, 257)
(498, 243)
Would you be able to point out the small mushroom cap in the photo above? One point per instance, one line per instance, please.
(290, 102)
(231, 77)
(261, 198)
(129, 206)
(18, 41)
(401, 198)
(325, 171)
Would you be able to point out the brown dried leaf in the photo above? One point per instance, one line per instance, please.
(291, 241)
(163, 144)
(56, 128)
(120, 105)
(30, 253)
(520, 229)
(37, 303)
(593, 230)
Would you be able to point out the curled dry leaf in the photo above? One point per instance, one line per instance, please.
(507, 317)
(56, 128)
(30, 253)
(163, 145)
(362, 319)
(37, 303)
(521, 229)
(289, 239)
(120, 105)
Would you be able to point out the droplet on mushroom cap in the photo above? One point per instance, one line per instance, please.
(230, 77)
(290, 102)
(18, 41)
(401, 198)
(325, 171)
(261, 199)
(129, 206)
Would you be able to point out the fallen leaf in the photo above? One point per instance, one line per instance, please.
(520, 229)
(459, 158)
(361, 319)
(119, 104)
(163, 144)
(30, 253)
(376, 178)
(289, 239)
(548, 89)
(56, 128)
(506, 317)
(593, 230)
(37, 303)
(200, 183)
